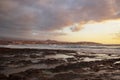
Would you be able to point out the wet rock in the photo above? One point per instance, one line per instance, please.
(20, 62)
(31, 74)
(117, 63)
(33, 56)
(3, 77)
(83, 56)
(71, 60)
(68, 68)
(17, 77)
(52, 61)
(65, 76)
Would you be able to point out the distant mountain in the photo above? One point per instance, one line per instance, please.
(7, 42)
(89, 43)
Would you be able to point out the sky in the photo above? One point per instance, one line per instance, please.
(62, 20)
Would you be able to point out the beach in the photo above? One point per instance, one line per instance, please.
(58, 64)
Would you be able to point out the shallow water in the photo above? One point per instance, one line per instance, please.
(31, 60)
(83, 48)
(8, 71)
(57, 56)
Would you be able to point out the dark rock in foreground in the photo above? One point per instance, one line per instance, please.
(57, 65)
(3, 77)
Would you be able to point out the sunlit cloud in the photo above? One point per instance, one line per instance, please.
(103, 32)
(25, 19)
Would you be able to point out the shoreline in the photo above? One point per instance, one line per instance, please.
(49, 64)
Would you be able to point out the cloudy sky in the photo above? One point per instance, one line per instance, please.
(64, 20)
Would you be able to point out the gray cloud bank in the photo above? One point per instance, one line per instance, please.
(18, 18)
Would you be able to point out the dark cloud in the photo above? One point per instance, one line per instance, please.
(21, 17)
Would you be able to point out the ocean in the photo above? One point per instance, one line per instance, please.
(83, 48)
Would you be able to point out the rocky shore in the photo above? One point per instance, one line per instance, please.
(44, 64)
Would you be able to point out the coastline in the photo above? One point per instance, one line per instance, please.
(49, 64)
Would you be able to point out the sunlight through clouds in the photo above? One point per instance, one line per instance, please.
(55, 19)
